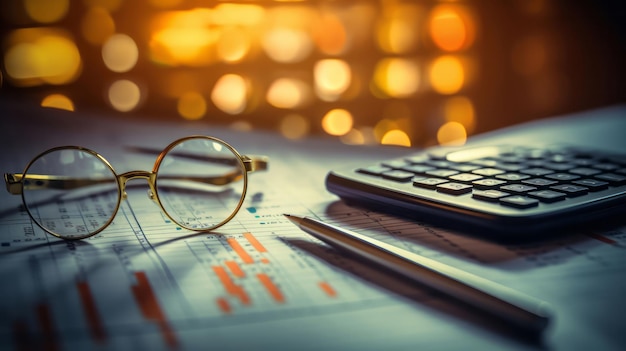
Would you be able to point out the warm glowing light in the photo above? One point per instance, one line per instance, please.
(337, 122)
(399, 29)
(450, 28)
(230, 94)
(294, 126)
(58, 101)
(192, 105)
(332, 78)
(97, 25)
(288, 93)
(46, 11)
(176, 46)
(41, 55)
(229, 14)
(396, 137)
(382, 127)
(330, 35)
(447, 75)
(287, 45)
(452, 134)
(397, 77)
(200, 36)
(124, 95)
(183, 38)
(120, 53)
(233, 45)
(460, 109)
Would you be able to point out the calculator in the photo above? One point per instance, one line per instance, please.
(508, 191)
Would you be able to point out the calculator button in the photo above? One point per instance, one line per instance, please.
(464, 167)
(488, 183)
(536, 171)
(585, 162)
(584, 171)
(592, 184)
(517, 188)
(454, 188)
(491, 195)
(438, 163)
(488, 171)
(416, 159)
(539, 182)
(395, 163)
(418, 169)
(374, 170)
(509, 167)
(565, 177)
(510, 159)
(558, 166)
(428, 183)
(547, 195)
(398, 176)
(443, 173)
(571, 190)
(614, 179)
(485, 162)
(536, 163)
(519, 201)
(465, 177)
(606, 166)
(512, 177)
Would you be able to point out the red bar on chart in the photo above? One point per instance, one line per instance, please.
(234, 267)
(602, 238)
(91, 312)
(328, 289)
(240, 251)
(271, 288)
(44, 316)
(150, 308)
(223, 304)
(255, 243)
(230, 286)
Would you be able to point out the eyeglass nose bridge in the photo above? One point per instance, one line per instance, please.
(149, 176)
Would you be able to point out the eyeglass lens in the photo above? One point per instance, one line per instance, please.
(70, 192)
(200, 183)
(73, 194)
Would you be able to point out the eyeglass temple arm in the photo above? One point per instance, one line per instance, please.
(14, 185)
(255, 163)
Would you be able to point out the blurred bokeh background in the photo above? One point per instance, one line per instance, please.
(378, 71)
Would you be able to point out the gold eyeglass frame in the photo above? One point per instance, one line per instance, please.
(15, 181)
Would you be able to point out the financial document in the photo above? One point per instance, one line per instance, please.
(259, 282)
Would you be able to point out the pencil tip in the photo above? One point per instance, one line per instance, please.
(293, 218)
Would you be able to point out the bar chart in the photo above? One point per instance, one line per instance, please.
(146, 280)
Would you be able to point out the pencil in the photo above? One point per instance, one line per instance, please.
(508, 304)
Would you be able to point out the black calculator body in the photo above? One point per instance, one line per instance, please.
(506, 191)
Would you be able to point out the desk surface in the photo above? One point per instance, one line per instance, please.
(261, 283)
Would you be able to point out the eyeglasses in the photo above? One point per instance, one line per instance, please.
(71, 192)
